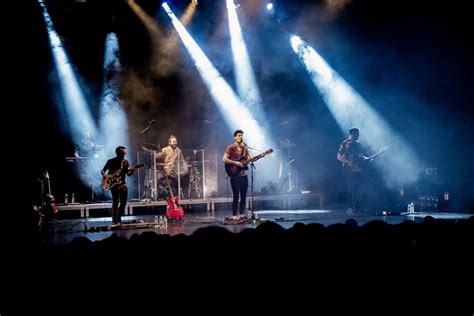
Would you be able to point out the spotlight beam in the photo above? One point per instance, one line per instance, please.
(246, 84)
(223, 95)
(112, 115)
(350, 109)
(81, 123)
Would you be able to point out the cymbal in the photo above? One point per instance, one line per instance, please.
(150, 147)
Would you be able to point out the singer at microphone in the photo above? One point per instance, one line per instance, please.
(235, 157)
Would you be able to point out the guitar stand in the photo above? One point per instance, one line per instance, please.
(47, 220)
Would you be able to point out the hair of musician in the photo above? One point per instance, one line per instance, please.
(118, 149)
(170, 138)
(354, 130)
(238, 131)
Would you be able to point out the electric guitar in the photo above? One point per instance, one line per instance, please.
(113, 179)
(174, 211)
(50, 207)
(234, 171)
(361, 164)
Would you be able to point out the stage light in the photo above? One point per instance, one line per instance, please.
(76, 111)
(247, 87)
(227, 101)
(270, 6)
(350, 109)
(112, 114)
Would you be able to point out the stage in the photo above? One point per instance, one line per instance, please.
(63, 231)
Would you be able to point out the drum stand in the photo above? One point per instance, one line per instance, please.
(290, 185)
(180, 190)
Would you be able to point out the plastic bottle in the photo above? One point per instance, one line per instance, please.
(73, 200)
(65, 199)
(411, 208)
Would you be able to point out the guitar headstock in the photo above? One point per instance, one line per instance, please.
(266, 152)
(385, 148)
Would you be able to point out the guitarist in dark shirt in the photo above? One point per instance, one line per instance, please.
(354, 163)
(351, 156)
(120, 166)
(239, 184)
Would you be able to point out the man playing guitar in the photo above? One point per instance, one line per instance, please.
(120, 166)
(237, 155)
(239, 184)
(352, 158)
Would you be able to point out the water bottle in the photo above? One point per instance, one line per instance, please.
(156, 221)
(65, 199)
(411, 208)
(73, 200)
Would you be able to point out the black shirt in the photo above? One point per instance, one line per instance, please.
(116, 164)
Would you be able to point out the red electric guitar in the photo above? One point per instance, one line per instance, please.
(174, 211)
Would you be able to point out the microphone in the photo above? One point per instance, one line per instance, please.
(145, 129)
(152, 122)
(244, 144)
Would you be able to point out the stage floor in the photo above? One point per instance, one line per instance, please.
(98, 228)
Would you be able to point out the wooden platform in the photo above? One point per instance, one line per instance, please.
(287, 202)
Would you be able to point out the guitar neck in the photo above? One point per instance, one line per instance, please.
(169, 187)
(49, 187)
(255, 158)
(375, 155)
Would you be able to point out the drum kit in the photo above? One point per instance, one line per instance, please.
(186, 172)
(151, 148)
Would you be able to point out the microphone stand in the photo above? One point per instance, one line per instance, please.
(252, 168)
(145, 130)
(252, 214)
(148, 194)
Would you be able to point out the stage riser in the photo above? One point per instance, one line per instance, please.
(315, 200)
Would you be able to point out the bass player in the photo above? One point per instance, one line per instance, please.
(353, 161)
